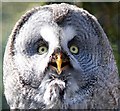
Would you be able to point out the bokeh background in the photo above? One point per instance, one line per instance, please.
(106, 13)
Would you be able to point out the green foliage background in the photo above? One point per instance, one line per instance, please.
(106, 13)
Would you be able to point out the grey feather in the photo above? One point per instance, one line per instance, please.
(90, 82)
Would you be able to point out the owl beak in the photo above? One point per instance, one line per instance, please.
(59, 62)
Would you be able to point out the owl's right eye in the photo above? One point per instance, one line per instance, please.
(42, 49)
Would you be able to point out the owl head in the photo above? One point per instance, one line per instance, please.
(58, 56)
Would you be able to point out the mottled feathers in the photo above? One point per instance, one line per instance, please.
(58, 57)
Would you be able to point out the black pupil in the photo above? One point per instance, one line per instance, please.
(73, 49)
(42, 49)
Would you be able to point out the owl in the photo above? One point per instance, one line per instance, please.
(58, 57)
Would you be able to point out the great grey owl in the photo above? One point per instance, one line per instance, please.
(58, 57)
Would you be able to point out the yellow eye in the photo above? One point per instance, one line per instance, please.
(42, 49)
(74, 49)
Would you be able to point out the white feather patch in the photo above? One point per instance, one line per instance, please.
(49, 34)
(68, 34)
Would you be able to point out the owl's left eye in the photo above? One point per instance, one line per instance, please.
(74, 49)
(42, 49)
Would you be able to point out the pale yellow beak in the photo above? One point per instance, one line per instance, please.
(59, 63)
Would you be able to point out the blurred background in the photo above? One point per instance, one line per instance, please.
(106, 13)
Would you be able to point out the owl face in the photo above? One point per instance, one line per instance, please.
(44, 45)
(49, 56)
(41, 36)
(58, 53)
